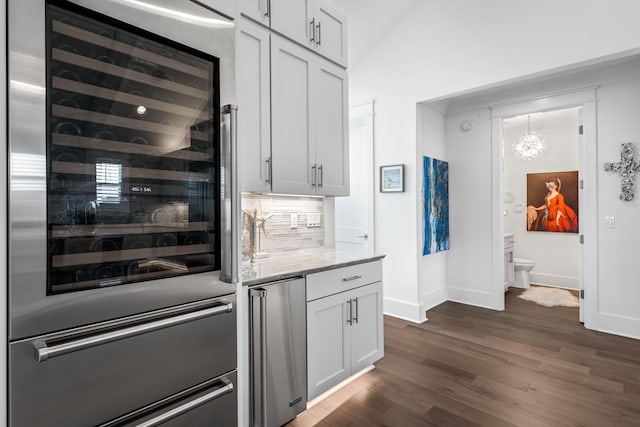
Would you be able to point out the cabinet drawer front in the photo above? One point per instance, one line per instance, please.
(342, 279)
(93, 383)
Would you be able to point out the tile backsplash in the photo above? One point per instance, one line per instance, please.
(293, 223)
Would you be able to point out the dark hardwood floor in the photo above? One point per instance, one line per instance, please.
(466, 366)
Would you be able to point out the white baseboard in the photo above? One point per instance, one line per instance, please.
(471, 297)
(403, 310)
(618, 325)
(565, 282)
(433, 298)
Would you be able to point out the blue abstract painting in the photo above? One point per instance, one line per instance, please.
(436, 206)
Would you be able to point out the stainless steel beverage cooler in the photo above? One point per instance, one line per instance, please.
(123, 199)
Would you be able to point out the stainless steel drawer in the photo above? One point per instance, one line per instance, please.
(342, 279)
(94, 374)
(212, 404)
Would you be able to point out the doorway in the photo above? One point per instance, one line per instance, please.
(579, 110)
(541, 198)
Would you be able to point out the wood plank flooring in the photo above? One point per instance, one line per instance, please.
(466, 366)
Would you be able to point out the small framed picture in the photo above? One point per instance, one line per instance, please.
(392, 179)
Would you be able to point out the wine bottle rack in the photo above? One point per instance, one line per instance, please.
(132, 157)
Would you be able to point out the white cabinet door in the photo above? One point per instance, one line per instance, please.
(258, 10)
(253, 89)
(331, 128)
(293, 19)
(292, 147)
(367, 330)
(328, 351)
(226, 7)
(330, 38)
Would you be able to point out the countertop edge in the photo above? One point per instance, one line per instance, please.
(315, 269)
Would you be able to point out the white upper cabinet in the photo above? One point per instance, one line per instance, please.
(310, 23)
(254, 99)
(258, 10)
(309, 122)
(225, 7)
(292, 143)
(292, 18)
(331, 129)
(330, 38)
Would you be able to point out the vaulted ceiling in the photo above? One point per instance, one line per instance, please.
(369, 21)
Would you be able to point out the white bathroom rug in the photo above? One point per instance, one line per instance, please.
(550, 297)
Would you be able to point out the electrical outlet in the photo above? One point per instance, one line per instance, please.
(294, 220)
(313, 220)
(610, 222)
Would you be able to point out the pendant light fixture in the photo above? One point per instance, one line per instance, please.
(529, 145)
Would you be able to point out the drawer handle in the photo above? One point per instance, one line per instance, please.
(43, 352)
(192, 404)
(349, 279)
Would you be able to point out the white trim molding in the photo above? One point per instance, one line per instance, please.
(555, 281)
(433, 298)
(403, 310)
(474, 297)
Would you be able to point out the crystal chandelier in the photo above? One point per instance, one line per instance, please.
(529, 145)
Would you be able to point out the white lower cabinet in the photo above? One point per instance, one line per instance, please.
(344, 333)
(328, 344)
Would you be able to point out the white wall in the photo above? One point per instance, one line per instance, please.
(618, 283)
(469, 263)
(557, 255)
(441, 48)
(432, 269)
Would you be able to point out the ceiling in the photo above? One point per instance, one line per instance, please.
(369, 21)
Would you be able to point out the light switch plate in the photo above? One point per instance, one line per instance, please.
(610, 222)
(294, 220)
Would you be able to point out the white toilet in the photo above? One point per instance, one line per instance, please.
(522, 267)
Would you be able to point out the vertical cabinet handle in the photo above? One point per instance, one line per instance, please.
(319, 38)
(313, 176)
(260, 416)
(320, 169)
(269, 170)
(312, 33)
(268, 11)
(230, 198)
(350, 317)
(355, 318)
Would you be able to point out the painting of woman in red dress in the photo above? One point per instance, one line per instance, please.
(556, 213)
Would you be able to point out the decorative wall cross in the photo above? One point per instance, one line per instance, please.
(627, 168)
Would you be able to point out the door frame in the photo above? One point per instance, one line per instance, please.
(585, 98)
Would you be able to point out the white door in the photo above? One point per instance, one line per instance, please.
(293, 18)
(292, 150)
(254, 132)
(367, 335)
(354, 214)
(331, 33)
(328, 350)
(331, 128)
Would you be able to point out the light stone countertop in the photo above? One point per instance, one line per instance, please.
(285, 265)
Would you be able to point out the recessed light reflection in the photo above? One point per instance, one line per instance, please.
(141, 109)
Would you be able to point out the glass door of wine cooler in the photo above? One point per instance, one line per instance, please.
(132, 159)
(118, 141)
